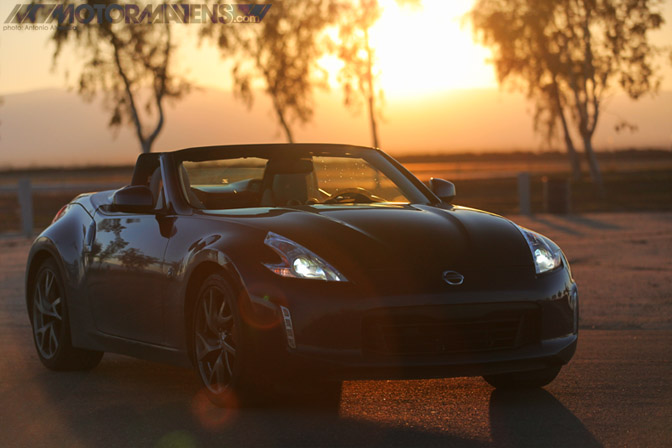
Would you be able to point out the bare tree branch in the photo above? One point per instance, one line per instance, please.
(128, 64)
(281, 55)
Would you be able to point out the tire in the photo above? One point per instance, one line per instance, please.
(51, 326)
(220, 358)
(218, 347)
(523, 380)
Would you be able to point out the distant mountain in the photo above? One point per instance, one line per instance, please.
(56, 127)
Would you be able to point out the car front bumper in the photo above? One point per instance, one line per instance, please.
(325, 365)
(334, 333)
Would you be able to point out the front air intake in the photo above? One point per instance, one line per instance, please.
(460, 329)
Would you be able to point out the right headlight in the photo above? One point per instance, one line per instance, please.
(545, 253)
(298, 262)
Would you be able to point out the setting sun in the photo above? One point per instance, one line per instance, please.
(425, 49)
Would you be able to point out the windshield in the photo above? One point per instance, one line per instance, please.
(296, 179)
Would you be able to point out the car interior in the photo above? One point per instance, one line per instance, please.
(285, 182)
(279, 181)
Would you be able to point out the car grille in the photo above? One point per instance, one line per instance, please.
(453, 329)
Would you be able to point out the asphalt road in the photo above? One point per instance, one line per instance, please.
(617, 391)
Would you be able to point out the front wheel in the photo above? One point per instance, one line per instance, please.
(218, 347)
(51, 327)
(523, 380)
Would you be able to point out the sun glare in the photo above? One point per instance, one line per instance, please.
(424, 50)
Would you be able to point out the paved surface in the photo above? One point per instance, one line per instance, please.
(616, 392)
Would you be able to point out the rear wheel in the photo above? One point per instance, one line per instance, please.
(51, 327)
(523, 380)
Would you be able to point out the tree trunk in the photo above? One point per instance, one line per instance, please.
(374, 128)
(569, 143)
(288, 131)
(283, 122)
(149, 141)
(573, 156)
(371, 93)
(595, 173)
(571, 149)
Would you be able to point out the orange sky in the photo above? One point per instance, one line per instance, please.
(419, 51)
(425, 58)
(411, 43)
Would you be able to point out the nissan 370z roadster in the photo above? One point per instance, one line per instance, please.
(295, 267)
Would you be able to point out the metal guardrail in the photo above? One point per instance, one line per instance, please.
(25, 189)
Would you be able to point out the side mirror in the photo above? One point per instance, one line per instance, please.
(443, 189)
(133, 199)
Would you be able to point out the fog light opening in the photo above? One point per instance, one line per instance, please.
(289, 328)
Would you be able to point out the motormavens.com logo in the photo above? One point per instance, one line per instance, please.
(133, 13)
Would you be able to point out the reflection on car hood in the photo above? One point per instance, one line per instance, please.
(387, 236)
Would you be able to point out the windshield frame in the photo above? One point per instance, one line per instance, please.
(415, 191)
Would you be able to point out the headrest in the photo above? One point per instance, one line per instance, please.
(289, 166)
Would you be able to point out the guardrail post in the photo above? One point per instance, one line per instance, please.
(524, 193)
(26, 206)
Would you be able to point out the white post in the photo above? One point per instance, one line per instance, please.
(26, 206)
(524, 193)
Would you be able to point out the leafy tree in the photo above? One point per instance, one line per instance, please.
(568, 55)
(131, 65)
(359, 76)
(280, 53)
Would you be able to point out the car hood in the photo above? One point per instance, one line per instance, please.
(385, 236)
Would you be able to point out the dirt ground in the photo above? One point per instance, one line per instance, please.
(615, 392)
(622, 263)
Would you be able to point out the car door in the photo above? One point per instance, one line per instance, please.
(126, 274)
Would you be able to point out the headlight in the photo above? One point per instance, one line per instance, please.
(298, 262)
(546, 255)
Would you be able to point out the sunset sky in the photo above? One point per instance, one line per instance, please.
(422, 54)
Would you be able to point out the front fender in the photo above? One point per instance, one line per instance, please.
(201, 244)
(64, 241)
(43, 247)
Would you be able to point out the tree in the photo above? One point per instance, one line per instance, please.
(281, 52)
(568, 55)
(131, 65)
(359, 76)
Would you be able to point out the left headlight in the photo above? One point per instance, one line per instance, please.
(298, 262)
(545, 253)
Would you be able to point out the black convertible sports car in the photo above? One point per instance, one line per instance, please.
(300, 264)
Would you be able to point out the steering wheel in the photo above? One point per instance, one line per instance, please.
(353, 195)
